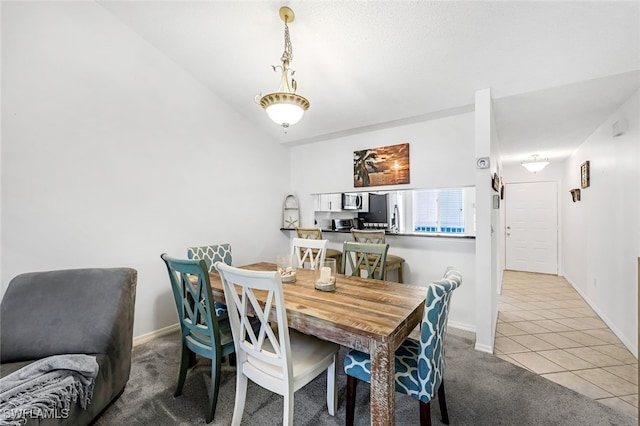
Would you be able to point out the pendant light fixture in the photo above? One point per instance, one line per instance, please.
(535, 165)
(285, 107)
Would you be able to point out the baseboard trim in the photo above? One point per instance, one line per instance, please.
(625, 341)
(484, 348)
(489, 348)
(471, 328)
(138, 340)
(175, 327)
(462, 326)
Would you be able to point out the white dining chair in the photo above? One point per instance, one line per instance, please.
(281, 363)
(312, 251)
(316, 234)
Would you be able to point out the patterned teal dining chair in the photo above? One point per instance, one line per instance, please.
(420, 364)
(211, 255)
(202, 332)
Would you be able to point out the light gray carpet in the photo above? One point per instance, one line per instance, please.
(481, 390)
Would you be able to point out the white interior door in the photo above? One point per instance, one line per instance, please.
(531, 222)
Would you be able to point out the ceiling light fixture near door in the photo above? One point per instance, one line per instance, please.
(535, 165)
(285, 107)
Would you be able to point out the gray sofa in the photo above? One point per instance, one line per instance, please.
(76, 311)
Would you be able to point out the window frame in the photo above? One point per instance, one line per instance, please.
(430, 220)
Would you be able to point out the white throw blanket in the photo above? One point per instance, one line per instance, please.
(46, 388)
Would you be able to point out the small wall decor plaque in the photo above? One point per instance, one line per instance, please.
(495, 182)
(585, 179)
(496, 201)
(575, 194)
(387, 165)
(290, 212)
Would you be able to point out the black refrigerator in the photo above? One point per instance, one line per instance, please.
(377, 209)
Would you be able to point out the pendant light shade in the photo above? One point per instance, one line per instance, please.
(284, 108)
(535, 165)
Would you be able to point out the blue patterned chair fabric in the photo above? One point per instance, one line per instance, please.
(419, 366)
(211, 255)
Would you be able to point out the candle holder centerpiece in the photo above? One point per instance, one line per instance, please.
(287, 267)
(326, 276)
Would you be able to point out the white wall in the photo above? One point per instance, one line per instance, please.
(488, 267)
(441, 155)
(601, 233)
(112, 155)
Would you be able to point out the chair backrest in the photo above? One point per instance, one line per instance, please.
(368, 236)
(309, 233)
(364, 256)
(312, 251)
(257, 346)
(211, 254)
(431, 363)
(194, 301)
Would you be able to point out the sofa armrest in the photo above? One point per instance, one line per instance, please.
(68, 311)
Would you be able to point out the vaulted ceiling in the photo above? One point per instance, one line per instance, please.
(556, 70)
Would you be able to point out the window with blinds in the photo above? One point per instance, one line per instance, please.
(439, 210)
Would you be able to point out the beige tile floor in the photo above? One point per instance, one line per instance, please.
(546, 327)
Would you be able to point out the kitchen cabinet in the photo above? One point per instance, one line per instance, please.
(328, 203)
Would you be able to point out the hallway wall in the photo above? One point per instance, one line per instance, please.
(601, 233)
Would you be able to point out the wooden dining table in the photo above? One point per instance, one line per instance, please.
(369, 315)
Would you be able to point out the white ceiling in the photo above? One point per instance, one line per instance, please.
(556, 70)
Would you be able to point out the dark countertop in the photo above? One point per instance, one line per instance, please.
(403, 234)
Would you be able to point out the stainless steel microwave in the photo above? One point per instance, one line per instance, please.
(351, 201)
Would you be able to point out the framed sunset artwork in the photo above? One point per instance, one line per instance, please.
(387, 165)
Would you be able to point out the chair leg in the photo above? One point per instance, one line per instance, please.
(215, 386)
(425, 413)
(352, 383)
(332, 388)
(443, 404)
(241, 396)
(184, 365)
(400, 274)
(232, 359)
(287, 417)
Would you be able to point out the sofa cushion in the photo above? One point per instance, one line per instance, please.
(66, 311)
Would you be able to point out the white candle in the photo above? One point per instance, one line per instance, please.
(325, 274)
